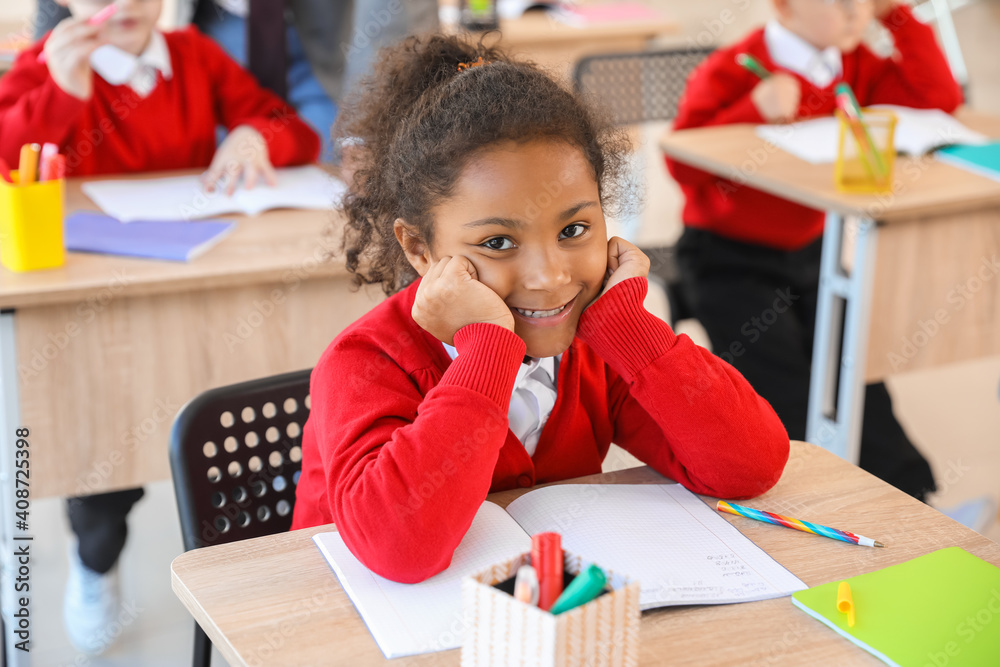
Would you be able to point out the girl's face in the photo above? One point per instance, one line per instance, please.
(528, 216)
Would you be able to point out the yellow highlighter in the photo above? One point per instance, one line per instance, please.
(845, 603)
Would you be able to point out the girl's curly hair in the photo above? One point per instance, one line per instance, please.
(419, 118)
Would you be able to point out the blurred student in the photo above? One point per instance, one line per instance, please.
(745, 253)
(122, 97)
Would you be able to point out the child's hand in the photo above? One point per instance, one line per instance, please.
(777, 97)
(624, 261)
(883, 7)
(451, 296)
(67, 53)
(243, 153)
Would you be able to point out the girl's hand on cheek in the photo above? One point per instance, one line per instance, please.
(450, 296)
(624, 261)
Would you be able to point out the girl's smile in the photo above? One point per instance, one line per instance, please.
(528, 217)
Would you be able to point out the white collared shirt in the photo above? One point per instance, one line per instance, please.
(119, 67)
(820, 68)
(532, 400)
(240, 8)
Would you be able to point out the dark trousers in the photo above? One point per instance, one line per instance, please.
(758, 305)
(99, 523)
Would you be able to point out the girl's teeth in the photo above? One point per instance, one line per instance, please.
(540, 313)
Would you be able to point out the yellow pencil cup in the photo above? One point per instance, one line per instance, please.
(866, 153)
(31, 225)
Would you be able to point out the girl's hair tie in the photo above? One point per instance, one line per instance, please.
(475, 63)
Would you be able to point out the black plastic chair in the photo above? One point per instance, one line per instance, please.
(641, 87)
(235, 458)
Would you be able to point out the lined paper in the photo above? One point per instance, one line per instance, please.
(680, 550)
(407, 619)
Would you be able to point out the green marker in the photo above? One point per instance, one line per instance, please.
(585, 587)
(750, 64)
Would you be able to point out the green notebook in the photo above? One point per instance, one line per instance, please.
(983, 160)
(935, 610)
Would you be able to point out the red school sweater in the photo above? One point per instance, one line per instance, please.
(117, 131)
(718, 93)
(403, 444)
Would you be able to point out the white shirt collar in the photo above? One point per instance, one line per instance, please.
(531, 400)
(820, 68)
(119, 67)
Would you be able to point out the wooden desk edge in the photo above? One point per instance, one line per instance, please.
(780, 187)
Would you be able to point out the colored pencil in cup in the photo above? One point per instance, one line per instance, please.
(752, 65)
(97, 19)
(847, 103)
(797, 524)
(27, 166)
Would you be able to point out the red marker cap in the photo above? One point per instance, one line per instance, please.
(547, 559)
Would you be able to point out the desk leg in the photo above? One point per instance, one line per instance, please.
(10, 411)
(837, 383)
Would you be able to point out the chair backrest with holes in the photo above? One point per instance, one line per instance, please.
(236, 455)
(638, 87)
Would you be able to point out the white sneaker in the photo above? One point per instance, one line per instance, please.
(90, 606)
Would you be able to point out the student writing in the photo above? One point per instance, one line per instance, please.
(749, 261)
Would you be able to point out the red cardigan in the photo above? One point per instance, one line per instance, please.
(718, 93)
(403, 444)
(117, 131)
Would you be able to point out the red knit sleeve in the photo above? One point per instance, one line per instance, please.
(406, 473)
(917, 75)
(33, 108)
(240, 100)
(717, 93)
(678, 407)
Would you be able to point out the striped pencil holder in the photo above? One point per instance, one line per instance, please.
(500, 630)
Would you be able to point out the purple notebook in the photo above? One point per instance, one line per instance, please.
(180, 241)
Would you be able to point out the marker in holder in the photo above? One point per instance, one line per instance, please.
(31, 224)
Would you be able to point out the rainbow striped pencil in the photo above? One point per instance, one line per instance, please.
(804, 526)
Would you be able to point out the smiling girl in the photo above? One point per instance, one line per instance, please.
(514, 347)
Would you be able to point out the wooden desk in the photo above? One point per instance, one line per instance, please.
(558, 46)
(912, 253)
(295, 613)
(97, 356)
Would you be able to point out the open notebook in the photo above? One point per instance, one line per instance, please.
(942, 608)
(184, 198)
(679, 549)
(918, 131)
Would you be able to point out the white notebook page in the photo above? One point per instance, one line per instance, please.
(406, 619)
(918, 131)
(680, 550)
(184, 198)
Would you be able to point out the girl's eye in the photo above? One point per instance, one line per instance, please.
(498, 243)
(572, 231)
